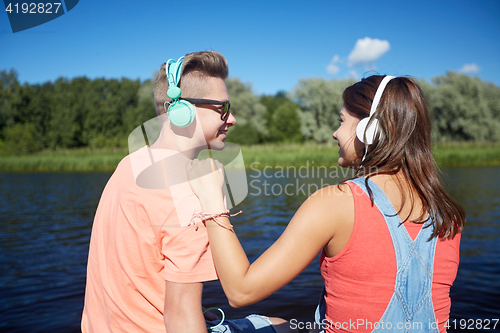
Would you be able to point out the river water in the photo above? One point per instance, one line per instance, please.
(46, 220)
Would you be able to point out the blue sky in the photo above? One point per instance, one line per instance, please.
(271, 44)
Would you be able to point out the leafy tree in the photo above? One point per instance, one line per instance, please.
(38, 109)
(68, 106)
(21, 139)
(249, 112)
(273, 102)
(321, 102)
(146, 90)
(464, 108)
(145, 109)
(282, 118)
(104, 125)
(102, 112)
(285, 124)
(10, 99)
(243, 134)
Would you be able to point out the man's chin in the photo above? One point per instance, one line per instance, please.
(216, 145)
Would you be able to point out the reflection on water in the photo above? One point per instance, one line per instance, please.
(45, 224)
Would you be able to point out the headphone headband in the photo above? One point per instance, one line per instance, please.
(365, 133)
(379, 92)
(180, 113)
(173, 72)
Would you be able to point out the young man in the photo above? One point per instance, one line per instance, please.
(147, 262)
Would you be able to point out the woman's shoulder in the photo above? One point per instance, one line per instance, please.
(331, 198)
(345, 188)
(341, 190)
(332, 210)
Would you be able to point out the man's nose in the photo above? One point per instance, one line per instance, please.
(231, 120)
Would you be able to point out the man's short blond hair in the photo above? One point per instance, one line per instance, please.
(196, 69)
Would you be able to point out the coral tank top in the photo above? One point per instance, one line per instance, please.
(359, 281)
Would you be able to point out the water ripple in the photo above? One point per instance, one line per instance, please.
(46, 219)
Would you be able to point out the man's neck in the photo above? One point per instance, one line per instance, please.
(180, 142)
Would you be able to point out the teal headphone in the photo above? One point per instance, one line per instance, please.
(180, 113)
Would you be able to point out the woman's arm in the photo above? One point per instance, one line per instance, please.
(312, 227)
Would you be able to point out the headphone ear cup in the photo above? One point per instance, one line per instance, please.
(370, 131)
(181, 113)
(173, 92)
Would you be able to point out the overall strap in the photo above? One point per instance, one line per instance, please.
(410, 308)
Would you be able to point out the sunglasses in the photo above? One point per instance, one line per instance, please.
(200, 101)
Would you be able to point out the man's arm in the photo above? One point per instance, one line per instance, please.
(183, 312)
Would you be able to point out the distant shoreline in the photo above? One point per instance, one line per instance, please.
(106, 160)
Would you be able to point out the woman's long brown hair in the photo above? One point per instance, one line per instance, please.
(404, 143)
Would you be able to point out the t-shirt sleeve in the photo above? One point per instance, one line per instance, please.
(187, 253)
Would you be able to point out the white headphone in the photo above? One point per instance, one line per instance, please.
(363, 131)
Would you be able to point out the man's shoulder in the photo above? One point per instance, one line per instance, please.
(131, 166)
(122, 174)
(126, 191)
(123, 180)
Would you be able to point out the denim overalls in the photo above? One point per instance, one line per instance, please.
(410, 308)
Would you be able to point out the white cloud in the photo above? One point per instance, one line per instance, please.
(469, 68)
(367, 50)
(332, 68)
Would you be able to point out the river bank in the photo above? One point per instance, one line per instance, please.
(106, 160)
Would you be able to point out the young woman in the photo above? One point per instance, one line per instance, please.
(390, 235)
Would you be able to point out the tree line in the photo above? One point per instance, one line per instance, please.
(101, 113)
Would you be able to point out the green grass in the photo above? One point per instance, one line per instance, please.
(67, 160)
(290, 154)
(467, 154)
(445, 154)
(105, 160)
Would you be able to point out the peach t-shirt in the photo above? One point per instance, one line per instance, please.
(140, 238)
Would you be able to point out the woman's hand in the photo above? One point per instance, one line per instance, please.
(206, 178)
